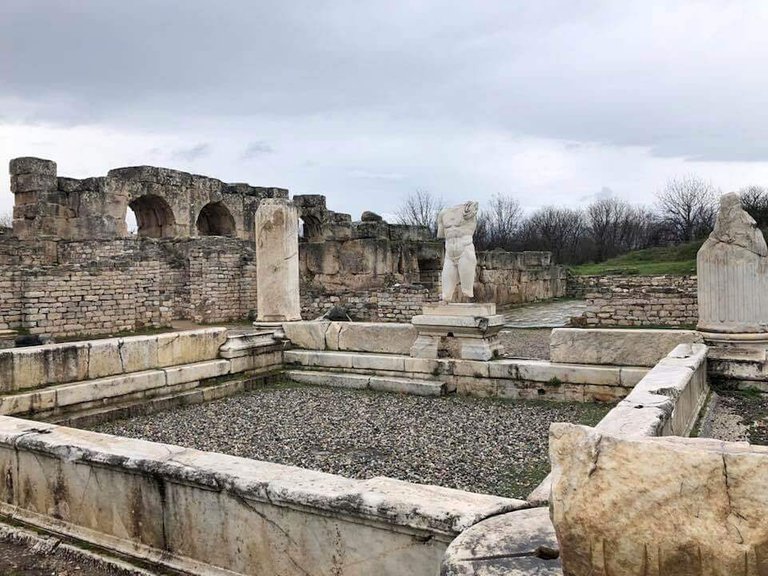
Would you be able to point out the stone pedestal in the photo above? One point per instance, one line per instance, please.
(475, 328)
(277, 262)
(7, 338)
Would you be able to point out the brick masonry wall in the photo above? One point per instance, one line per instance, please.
(104, 287)
(398, 303)
(637, 300)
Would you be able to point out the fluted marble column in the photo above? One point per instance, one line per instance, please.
(732, 270)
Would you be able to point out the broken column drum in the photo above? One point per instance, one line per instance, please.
(277, 261)
(732, 269)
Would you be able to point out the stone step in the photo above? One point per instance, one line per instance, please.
(361, 382)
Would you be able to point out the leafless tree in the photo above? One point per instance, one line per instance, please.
(498, 224)
(614, 226)
(687, 207)
(754, 199)
(420, 209)
(558, 230)
(6, 220)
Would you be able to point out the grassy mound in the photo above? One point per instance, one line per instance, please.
(677, 260)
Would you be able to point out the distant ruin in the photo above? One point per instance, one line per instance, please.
(71, 267)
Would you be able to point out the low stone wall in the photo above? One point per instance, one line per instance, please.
(204, 513)
(397, 303)
(96, 380)
(666, 401)
(51, 364)
(510, 379)
(637, 300)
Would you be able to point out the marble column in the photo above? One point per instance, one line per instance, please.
(277, 261)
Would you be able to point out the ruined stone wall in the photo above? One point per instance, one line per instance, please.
(167, 203)
(104, 287)
(397, 303)
(638, 300)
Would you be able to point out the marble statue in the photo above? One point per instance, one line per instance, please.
(457, 225)
(732, 270)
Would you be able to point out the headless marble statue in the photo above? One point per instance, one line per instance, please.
(457, 225)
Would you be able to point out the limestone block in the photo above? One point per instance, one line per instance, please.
(189, 346)
(520, 543)
(378, 362)
(109, 387)
(620, 347)
(6, 371)
(321, 359)
(30, 165)
(308, 335)
(196, 372)
(543, 371)
(137, 353)
(65, 362)
(29, 370)
(425, 346)
(682, 506)
(386, 338)
(125, 506)
(104, 358)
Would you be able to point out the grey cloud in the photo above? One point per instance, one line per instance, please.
(255, 149)
(572, 70)
(191, 153)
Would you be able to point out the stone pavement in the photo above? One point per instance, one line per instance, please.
(544, 315)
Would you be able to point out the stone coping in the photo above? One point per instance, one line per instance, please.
(442, 511)
(459, 309)
(616, 346)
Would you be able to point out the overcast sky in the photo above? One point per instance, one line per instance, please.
(553, 102)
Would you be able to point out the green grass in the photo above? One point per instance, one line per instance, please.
(664, 260)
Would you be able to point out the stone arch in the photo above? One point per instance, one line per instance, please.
(215, 219)
(154, 217)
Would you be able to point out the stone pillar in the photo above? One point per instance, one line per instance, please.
(732, 270)
(38, 210)
(277, 261)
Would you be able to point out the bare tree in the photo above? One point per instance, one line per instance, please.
(754, 199)
(420, 209)
(606, 220)
(687, 207)
(558, 230)
(498, 224)
(6, 220)
(613, 226)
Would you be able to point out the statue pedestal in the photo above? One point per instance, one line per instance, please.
(475, 328)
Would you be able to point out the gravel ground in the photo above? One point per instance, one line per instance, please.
(526, 342)
(19, 559)
(479, 445)
(737, 416)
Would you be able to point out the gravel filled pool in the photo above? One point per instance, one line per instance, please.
(480, 445)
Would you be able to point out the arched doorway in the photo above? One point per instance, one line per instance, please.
(215, 220)
(154, 217)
